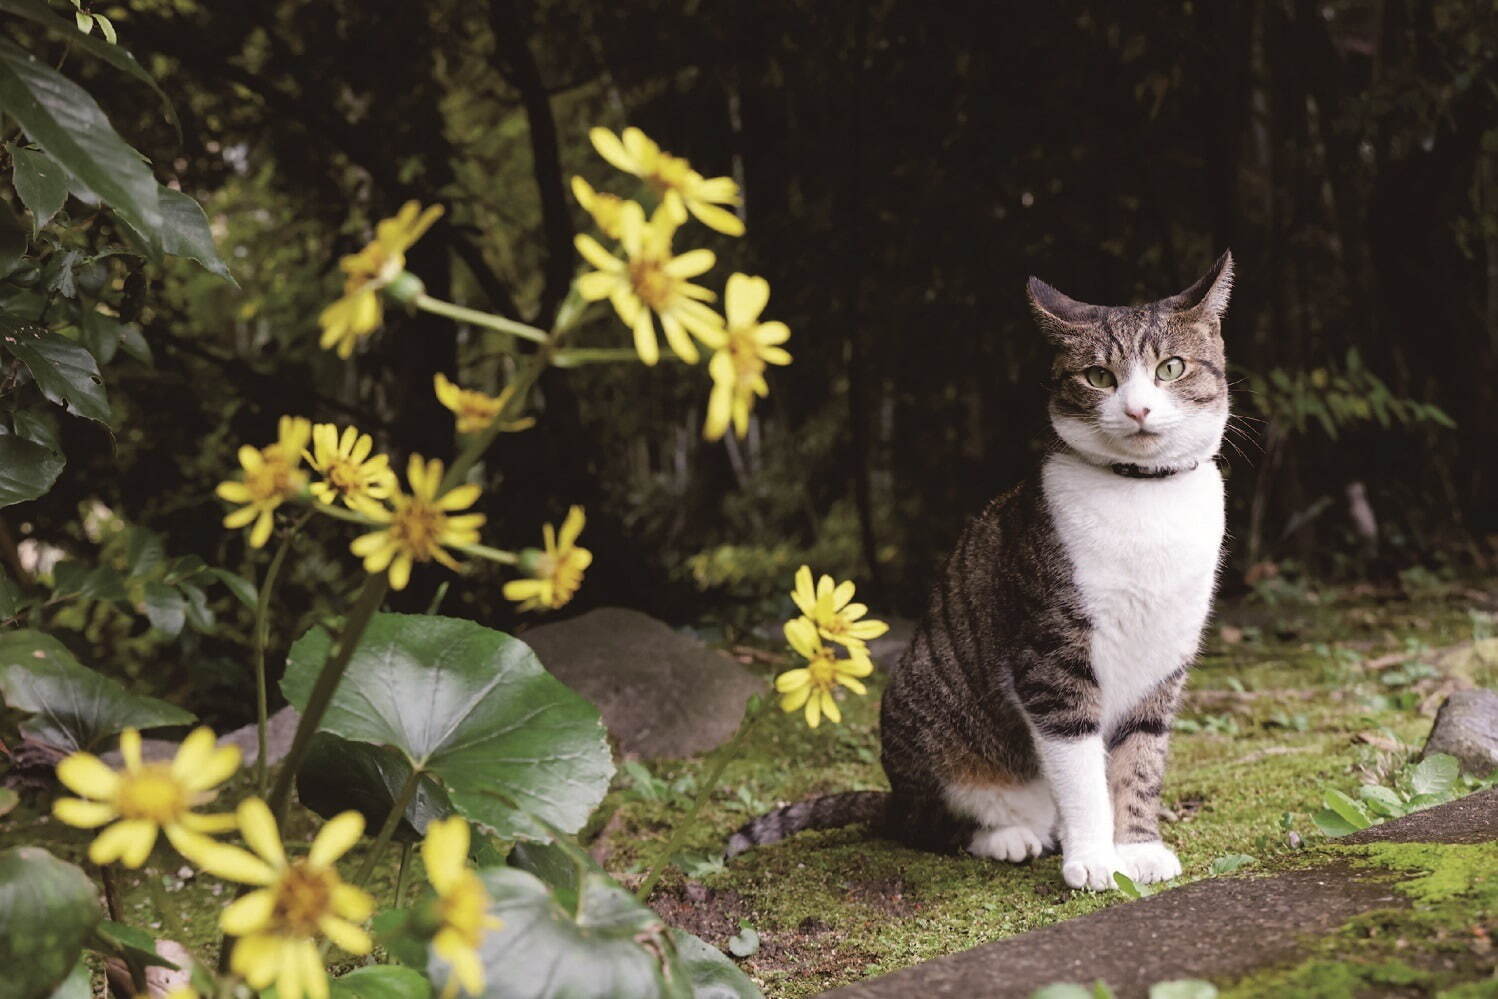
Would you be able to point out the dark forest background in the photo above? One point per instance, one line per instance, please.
(905, 167)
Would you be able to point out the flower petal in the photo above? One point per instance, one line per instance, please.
(83, 814)
(128, 841)
(249, 914)
(258, 827)
(335, 839)
(86, 774)
(345, 935)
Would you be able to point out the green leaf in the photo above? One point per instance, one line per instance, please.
(78, 985)
(41, 183)
(128, 941)
(1332, 824)
(473, 706)
(38, 11)
(166, 608)
(1351, 812)
(338, 775)
(611, 945)
(38, 426)
(1230, 862)
(8, 801)
(27, 469)
(1184, 988)
(11, 598)
(199, 615)
(381, 981)
(64, 370)
(1436, 774)
(97, 583)
(1063, 990)
(712, 974)
(145, 552)
(393, 930)
(745, 943)
(1129, 888)
(13, 239)
(1382, 800)
(185, 233)
(73, 707)
(47, 909)
(61, 118)
(238, 585)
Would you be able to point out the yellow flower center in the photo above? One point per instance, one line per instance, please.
(743, 350)
(652, 284)
(476, 411)
(344, 476)
(275, 479)
(823, 672)
(152, 793)
(463, 908)
(670, 172)
(417, 527)
(304, 895)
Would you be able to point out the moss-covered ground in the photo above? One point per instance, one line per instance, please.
(1290, 699)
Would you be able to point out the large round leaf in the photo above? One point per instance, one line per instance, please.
(610, 945)
(473, 706)
(381, 981)
(338, 775)
(47, 909)
(27, 469)
(72, 706)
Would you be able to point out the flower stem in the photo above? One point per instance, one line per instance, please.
(574, 357)
(262, 638)
(341, 513)
(438, 307)
(397, 812)
(492, 554)
(322, 691)
(720, 761)
(400, 874)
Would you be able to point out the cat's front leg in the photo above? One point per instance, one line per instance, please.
(1076, 770)
(1136, 770)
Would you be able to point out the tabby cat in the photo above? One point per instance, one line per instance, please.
(1032, 709)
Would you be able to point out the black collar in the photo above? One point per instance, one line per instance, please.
(1146, 472)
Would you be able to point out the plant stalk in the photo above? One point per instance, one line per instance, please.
(397, 812)
(262, 638)
(400, 875)
(322, 691)
(462, 314)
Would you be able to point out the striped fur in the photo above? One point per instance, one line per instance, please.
(1032, 708)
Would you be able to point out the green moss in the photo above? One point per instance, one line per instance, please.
(1447, 870)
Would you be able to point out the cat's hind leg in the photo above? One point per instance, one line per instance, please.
(1015, 823)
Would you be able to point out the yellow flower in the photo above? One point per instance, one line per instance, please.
(652, 280)
(295, 901)
(146, 798)
(811, 686)
(738, 368)
(475, 410)
(348, 471)
(462, 904)
(828, 606)
(607, 209)
(272, 475)
(419, 524)
(359, 312)
(680, 188)
(558, 572)
(183, 992)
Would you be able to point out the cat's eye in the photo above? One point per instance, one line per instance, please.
(1170, 369)
(1099, 377)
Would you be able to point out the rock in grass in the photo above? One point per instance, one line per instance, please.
(1467, 727)
(662, 694)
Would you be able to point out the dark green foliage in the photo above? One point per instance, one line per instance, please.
(47, 908)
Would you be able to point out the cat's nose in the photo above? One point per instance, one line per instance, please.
(1137, 415)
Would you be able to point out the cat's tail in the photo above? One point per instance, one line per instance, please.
(830, 811)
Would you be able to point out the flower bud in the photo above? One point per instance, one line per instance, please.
(405, 287)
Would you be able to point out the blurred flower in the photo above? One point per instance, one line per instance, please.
(828, 607)
(607, 209)
(652, 280)
(348, 471)
(557, 572)
(183, 992)
(680, 188)
(295, 901)
(475, 410)
(462, 904)
(272, 475)
(359, 312)
(811, 686)
(738, 367)
(419, 524)
(146, 798)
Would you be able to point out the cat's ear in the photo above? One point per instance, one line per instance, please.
(1062, 318)
(1208, 298)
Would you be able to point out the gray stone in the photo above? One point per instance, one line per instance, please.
(887, 649)
(279, 729)
(1218, 929)
(1467, 727)
(662, 694)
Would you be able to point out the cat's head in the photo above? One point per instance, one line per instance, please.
(1143, 385)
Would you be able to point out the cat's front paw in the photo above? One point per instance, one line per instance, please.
(1015, 844)
(1091, 868)
(1146, 863)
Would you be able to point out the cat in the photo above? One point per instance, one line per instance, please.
(1032, 709)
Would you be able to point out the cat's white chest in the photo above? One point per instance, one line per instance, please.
(1144, 554)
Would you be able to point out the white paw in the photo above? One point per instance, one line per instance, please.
(1011, 843)
(1146, 863)
(1091, 868)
